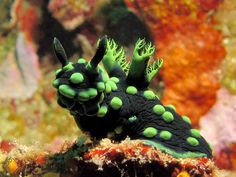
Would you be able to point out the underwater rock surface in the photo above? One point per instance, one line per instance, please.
(129, 158)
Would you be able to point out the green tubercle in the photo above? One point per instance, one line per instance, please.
(101, 86)
(195, 133)
(149, 94)
(131, 90)
(68, 67)
(150, 132)
(58, 71)
(67, 91)
(192, 141)
(55, 83)
(83, 96)
(168, 116)
(115, 79)
(81, 60)
(102, 111)
(166, 135)
(112, 84)
(186, 119)
(116, 103)
(171, 107)
(159, 109)
(132, 119)
(92, 92)
(108, 88)
(118, 130)
(77, 78)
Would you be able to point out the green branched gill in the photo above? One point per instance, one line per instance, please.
(117, 101)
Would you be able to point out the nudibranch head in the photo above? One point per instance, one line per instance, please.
(80, 84)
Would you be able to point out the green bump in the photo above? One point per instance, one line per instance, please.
(55, 83)
(168, 116)
(150, 132)
(132, 119)
(114, 79)
(102, 111)
(112, 84)
(58, 71)
(116, 103)
(186, 119)
(108, 88)
(67, 91)
(166, 135)
(171, 107)
(77, 78)
(149, 95)
(83, 96)
(192, 141)
(92, 92)
(81, 60)
(159, 109)
(69, 66)
(131, 90)
(100, 86)
(118, 130)
(195, 133)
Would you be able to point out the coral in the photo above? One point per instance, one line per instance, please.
(27, 16)
(211, 125)
(72, 14)
(19, 60)
(5, 15)
(185, 35)
(35, 120)
(19, 70)
(225, 16)
(130, 158)
(119, 101)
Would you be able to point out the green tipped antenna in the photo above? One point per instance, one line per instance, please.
(60, 52)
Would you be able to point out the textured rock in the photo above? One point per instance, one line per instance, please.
(128, 158)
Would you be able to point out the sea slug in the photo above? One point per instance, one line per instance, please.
(117, 102)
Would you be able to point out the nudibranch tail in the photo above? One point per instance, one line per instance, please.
(119, 104)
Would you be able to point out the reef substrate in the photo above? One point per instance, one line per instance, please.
(128, 158)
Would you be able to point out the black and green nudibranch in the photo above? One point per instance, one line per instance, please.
(116, 101)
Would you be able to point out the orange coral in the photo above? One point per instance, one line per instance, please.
(191, 47)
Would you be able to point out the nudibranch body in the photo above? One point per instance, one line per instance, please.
(118, 102)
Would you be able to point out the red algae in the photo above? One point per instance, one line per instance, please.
(192, 48)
